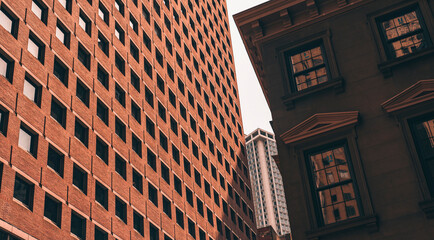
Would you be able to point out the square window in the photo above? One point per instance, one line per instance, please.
(101, 194)
(165, 173)
(84, 22)
(23, 191)
(119, 33)
(120, 95)
(81, 132)
(58, 112)
(403, 32)
(136, 112)
(161, 111)
(147, 41)
(136, 145)
(121, 210)
(175, 154)
(120, 129)
(3, 121)
(197, 178)
(102, 111)
(103, 44)
(103, 77)
(121, 166)
(163, 142)
(83, 56)
(60, 71)
(150, 127)
(120, 63)
(135, 81)
(36, 47)
(152, 160)
(153, 194)
(53, 210)
(8, 21)
(157, 30)
(177, 184)
(138, 222)
(133, 24)
(137, 181)
(307, 66)
(6, 67)
(189, 196)
(187, 167)
(82, 92)
(79, 178)
(28, 140)
(134, 51)
(55, 160)
(179, 218)
(167, 207)
(119, 5)
(78, 225)
(100, 234)
(102, 150)
(63, 34)
(199, 206)
(32, 90)
(103, 13)
(147, 67)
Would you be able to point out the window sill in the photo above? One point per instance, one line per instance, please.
(336, 83)
(370, 223)
(428, 208)
(387, 66)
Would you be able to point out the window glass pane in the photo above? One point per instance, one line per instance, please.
(25, 140)
(6, 21)
(3, 67)
(60, 34)
(33, 48)
(36, 10)
(82, 23)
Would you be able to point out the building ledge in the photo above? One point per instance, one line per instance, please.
(386, 68)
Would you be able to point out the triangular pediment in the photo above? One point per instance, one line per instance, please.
(318, 124)
(422, 91)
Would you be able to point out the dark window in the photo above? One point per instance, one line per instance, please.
(161, 111)
(53, 210)
(120, 129)
(157, 8)
(28, 140)
(160, 84)
(134, 25)
(100, 234)
(180, 218)
(101, 194)
(403, 32)
(60, 71)
(81, 132)
(84, 22)
(134, 51)
(120, 95)
(147, 41)
(199, 206)
(163, 142)
(207, 188)
(83, 56)
(121, 166)
(137, 181)
(187, 167)
(216, 198)
(191, 228)
(307, 66)
(152, 160)
(82, 92)
(167, 207)
(173, 126)
(189, 196)
(78, 225)
(210, 216)
(79, 179)
(103, 44)
(103, 13)
(6, 66)
(138, 222)
(159, 57)
(150, 127)
(120, 63)
(136, 111)
(102, 111)
(157, 30)
(149, 97)
(36, 47)
(175, 154)
(8, 21)
(331, 175)
(119, 5)
(197, 178)
(136, 145)
(165, 173)
(153, 194)
(58, 112)
(32, 90)
(121, 209)
(23, 191)
(154, 233)
(103, 77)
(147, 67)
(55, 160)
(119, 33)
(102, 150)
(177, 183)
(135, 81)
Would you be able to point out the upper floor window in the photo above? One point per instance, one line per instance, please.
(40, 10)
(403, 32)
(308, 66)
(8, 21)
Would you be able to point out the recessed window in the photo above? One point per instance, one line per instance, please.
(154, 233)
(103, 44)
(40, 10)
(79, 178)
(307, 67)
(136, 145)
(199, 206)
(119, 5)
(135, 81)
(53, 210)
(149, 97)
(167, 207)
(136, 111)
(121, 209)
(137, 181)
(335, 193)
(28, 140)
(153, 194)
(100, 234)
(78, 225)
(119, 33)
(63, 34)
(103, 13)
(55, 160)
(58, 112)
(102, 111)
(197, 178)
(23, 191)
(60, 71)
(101, 150)
(134, 51)
(210, 216)
(6, 67)
(159, 57)
(150, 127)
(120, 129)
(138, 222)
(152, 160)
(3, 122)
(120, 95)
(187, 167)
(147, 41)
(121, 166)
(82, 92)
(403, 32)
(36, 47)
(32, 90)
(163, 142)
(120, 63)
(83, 56)
(81, 132)
(179, 218)
(133, 24)
(157, 30)
(103, 77)
(189, 196)
(8, 21)
(191, 228)
(165, 173)
(160, 84)
(84, 22)
(67, 4)
(177, 184)
(101, 194)
(161, 111)
(173, 126)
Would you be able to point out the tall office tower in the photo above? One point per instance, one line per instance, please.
(120, 119)
(267, 185)
(350, 85)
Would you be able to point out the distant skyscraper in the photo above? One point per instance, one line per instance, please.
(267, 185)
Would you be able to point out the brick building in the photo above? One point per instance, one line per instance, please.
(120, 119)
(350, 88)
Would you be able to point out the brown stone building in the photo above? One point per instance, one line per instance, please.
(350, 84)
(120, 120)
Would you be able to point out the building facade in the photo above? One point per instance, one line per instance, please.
(120, 120)
(267, 184)
(350, 88)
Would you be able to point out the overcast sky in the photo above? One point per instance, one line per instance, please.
(254, 108)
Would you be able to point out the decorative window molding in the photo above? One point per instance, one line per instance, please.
(413, 108)
(287, 55)
(395, 47)
(319, 133)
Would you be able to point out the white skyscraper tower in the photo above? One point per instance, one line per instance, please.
(267, 185)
